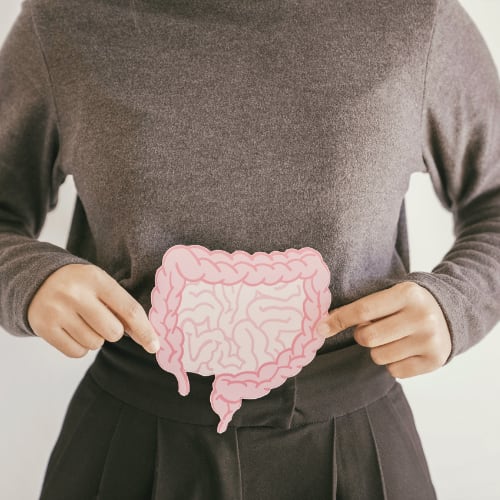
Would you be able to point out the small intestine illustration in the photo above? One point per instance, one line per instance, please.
(248, 319)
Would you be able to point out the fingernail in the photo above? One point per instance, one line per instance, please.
(154, 346)
(323, 329)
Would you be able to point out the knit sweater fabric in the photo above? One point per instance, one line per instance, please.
(250, 125)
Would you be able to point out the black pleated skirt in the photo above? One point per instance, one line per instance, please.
(341, 428)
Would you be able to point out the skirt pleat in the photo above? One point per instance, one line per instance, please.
(333, 459)
(194, 462)
(280, 464)
(380, 470)
(77, 459)
(379, 453)
(358, 465)
(404, 469)
(129, 469)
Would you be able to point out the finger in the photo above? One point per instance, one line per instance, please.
(129, 312)
(101, 318)
(409, 367)
(385, 330)
(78, 328)
(368, 308)
(398, 350)
(64, 342)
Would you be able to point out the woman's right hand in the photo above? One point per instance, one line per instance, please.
(79, 306)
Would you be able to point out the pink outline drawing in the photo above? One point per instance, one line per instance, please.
(183, 264)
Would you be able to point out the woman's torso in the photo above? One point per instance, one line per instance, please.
(239, 125)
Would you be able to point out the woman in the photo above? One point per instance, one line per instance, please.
(258, 126)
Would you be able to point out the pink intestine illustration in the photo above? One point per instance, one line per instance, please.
(248, 319)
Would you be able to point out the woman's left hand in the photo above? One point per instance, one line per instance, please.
(403, 326)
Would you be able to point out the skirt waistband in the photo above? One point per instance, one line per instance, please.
(333, 384)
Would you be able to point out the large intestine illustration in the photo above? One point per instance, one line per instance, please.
(248, 319)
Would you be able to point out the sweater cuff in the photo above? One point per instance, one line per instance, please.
(28, 279)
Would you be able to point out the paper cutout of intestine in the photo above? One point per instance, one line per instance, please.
(248, 319)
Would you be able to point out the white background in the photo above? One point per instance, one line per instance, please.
(457, 408)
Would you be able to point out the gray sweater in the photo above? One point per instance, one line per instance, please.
(253, 125)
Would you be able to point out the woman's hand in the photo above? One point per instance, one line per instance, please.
(403, 326)
(79, 306)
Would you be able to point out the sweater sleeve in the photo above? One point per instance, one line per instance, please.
(461, 152)
(29, 173)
